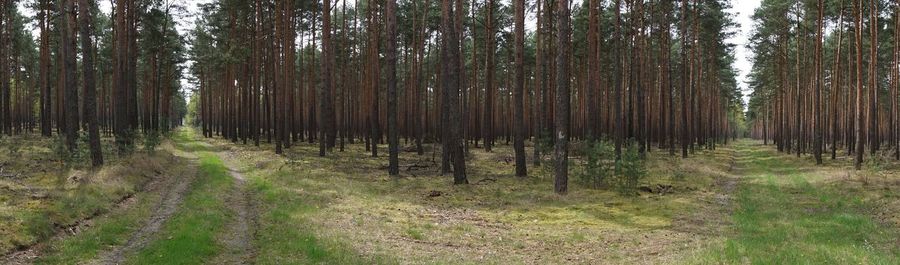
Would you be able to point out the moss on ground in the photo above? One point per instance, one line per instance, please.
(344, 208)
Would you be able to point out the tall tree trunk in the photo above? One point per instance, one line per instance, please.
(324, 102)
(860, 141)
(519, 120)
(391, 56)
(46, 107)
(279, 87)
(593, 71)
(817, 127)
(618, 64)
(71, 101)
(452, 85)
(4, 65)
(836, 84)
(488, 119)
(561, 151)
(685, 80)
(90, 106)
(540, 70)
(874, 141)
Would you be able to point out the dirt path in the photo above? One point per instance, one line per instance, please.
(711, 218)
(239, 235)
(171, 188)
(175, 191)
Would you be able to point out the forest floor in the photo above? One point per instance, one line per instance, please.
(213, 201)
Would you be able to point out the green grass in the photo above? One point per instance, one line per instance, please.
(54, 192)
(344, 209)
(105, 232)
(288, 237)
(783, 218)
(190, 236)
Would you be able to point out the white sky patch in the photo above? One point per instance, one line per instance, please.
(743, 11)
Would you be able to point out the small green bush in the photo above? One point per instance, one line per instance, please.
(630, 169)
(600, 168)
(152, 139)
(599, 164)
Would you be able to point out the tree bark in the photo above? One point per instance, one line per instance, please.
(391, 56)
(561, 151)
(90, 106)
(519, 140)
(860, 141)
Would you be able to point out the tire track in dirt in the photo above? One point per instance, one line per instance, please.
(178, 187)
(241, 231)
(170, 188)
(711, 217)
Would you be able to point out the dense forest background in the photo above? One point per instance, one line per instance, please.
(656, 75)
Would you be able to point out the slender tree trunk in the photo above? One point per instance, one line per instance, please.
(561, 151)
(324, 102)
(874, 141)
(46, 107)
(393, 129)
(817, 146)
(860, 141)
(90, 111)
(452, 85)
(836, 84)
(540, 69)
(684, 80)
(71, 101)
(519, 120)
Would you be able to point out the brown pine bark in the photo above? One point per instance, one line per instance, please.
(5, 109)
(46, 107)
(451, 78)
(540, 80)
(391, 56)
(519, 119)
(279, 86)
(836, 84)
(71, 97)
(325, 102)
(874, 141)
(561, 150)
(488, 119)
(90, 106)
(817, 122)
(594, 71)
(685, 80)
(860, 141)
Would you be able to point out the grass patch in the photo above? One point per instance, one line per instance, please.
(104, 232)
(783, 218)
(288, 237)
(344, 209)
(49, 192)
(190, 236)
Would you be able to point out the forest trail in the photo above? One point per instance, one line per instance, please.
(235, 237)
(240, 233)
(788, 210)
(177, 188)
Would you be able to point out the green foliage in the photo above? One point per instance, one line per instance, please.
(80, 154)
(544, 142)
(601, 169)
(599, 164)
(152, 139)
(874, 167)
(630, 169)
(192, 115)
